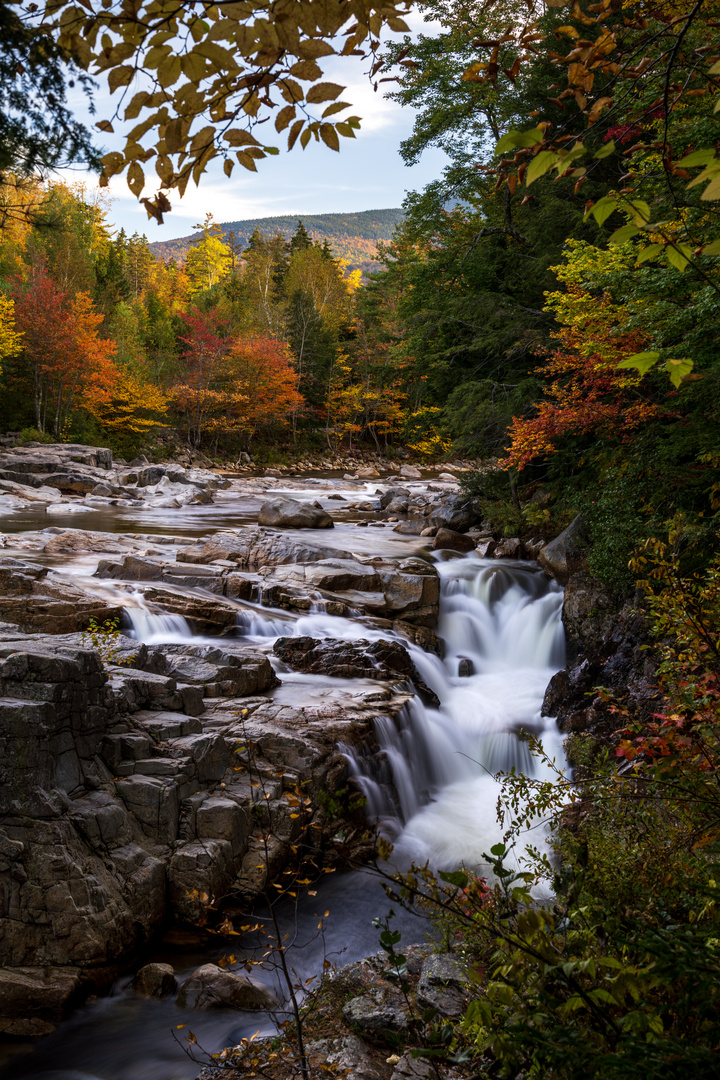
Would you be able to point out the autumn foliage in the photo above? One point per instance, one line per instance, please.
(587, 393)
(71, 365)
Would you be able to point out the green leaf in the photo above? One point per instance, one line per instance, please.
(678, 256)
(623, 234)
(602, 209)
(641, 361)
(698, 157)
(677, 370)
(541, 164)
(712, 191)
(712, 249)
(454, 877)
(648, 252)
(641, 211)
(498, 850)
(519, 138)
(605, 151)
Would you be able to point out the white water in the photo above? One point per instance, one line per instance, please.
(432, 787)
(505, 619)
(153, 627)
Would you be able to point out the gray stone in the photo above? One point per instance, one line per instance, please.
(453, 541)
(346, 1056)
(155, 981)
(566, 554)
(379, 1014)
(465, 667)
(285, 513)
(413, 1068)
(213, 987)
(442, 985)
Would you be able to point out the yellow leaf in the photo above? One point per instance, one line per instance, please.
(169, 71)
(306, 69)
(328, 134)
(284, 117)
(313, 48)
(323, 92)
(294, 132)
(135, 178)
(120, 77)
(246, 160)
(239, 137)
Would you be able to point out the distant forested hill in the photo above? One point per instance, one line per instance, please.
(352, 236)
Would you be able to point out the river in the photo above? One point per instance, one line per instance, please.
(430, 786)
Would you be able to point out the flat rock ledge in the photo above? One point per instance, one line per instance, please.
(129, 793)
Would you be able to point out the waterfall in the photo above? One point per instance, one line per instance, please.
(152, 627)
(432, 787)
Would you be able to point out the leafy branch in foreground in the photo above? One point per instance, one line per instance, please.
(200, 78)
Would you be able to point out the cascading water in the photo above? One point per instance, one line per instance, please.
(432, 786)
(155, 627)
(503, 623)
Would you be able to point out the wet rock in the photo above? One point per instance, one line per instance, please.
(368, 472)
(155, 981)
(566, 554)
(466, 668)
(36, 599)
(205, 615)
(453, 541)
(43, 994)
(358, 659)
(486, 548)
(213, 987)
(381, 1014)
(458, 512)
(285, 513)
(509, 549)
(410, 472)
(394, 493)
(198, 874)
(411, 527)
(253, 548)
(442, 985)
(229, 671)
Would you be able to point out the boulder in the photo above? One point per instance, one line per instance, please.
(414, 1068)
(393, 493)
(511, 548)
(410, 472)
(458, 512)
(442, 985)
(286, 513)
(381, 1014)
(155, 981)
(358, 659)
(213, 987)
(346, 1056)
(252, 548)
(566, 554)
(450, 540)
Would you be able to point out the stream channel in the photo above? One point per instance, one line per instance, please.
(434, 797)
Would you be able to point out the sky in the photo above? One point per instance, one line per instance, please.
(367, 173)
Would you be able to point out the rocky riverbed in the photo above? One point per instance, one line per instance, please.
(149, 773)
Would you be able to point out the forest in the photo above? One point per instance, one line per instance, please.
(548, 307)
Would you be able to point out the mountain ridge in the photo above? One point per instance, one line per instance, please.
(352, 236)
